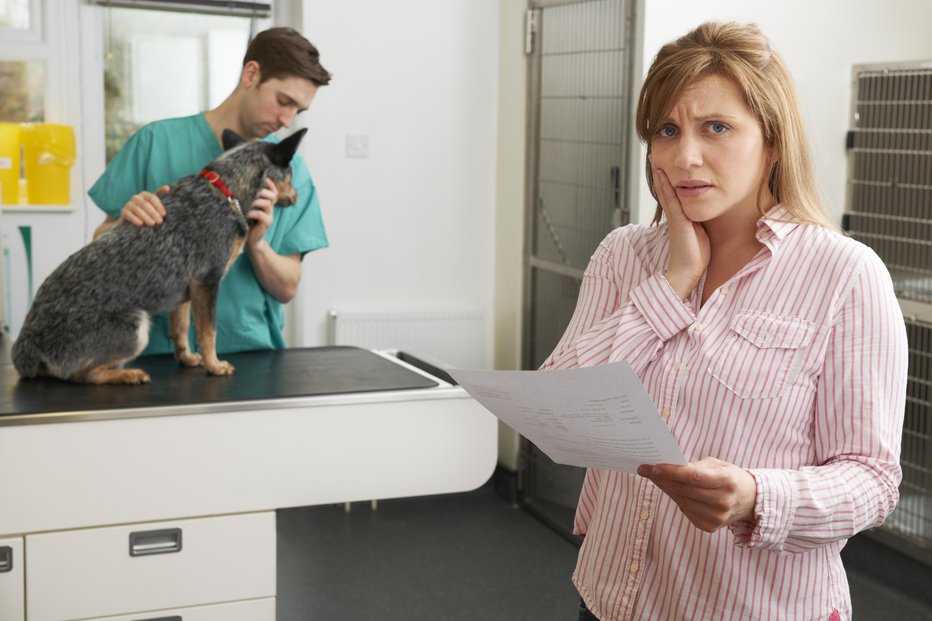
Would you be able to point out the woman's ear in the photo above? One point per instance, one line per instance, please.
(771, 177)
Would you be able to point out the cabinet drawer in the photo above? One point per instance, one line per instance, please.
(252, 610)
(153, 566)
(12, 592)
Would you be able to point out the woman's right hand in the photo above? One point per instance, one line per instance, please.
(145, 209)
(689, 242)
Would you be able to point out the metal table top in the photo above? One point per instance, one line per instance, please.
(260, 376)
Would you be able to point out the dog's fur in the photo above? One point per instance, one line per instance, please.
(91, 315)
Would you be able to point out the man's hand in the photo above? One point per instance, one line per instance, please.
(261, 213)
(689, 243)
(145, 209)
(710, 492)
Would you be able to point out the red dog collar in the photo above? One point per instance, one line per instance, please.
(214, 179)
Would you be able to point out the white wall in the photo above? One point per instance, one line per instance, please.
(509, 216)
(510, 182)
(820, 40)
(412, 226)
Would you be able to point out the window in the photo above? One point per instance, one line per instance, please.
(22, 91)
(160, 64)
(15, 14)
(23, 58)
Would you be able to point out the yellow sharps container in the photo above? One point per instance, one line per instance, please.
(9, 163)
(49, 152)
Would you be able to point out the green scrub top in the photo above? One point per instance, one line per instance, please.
(248, 316)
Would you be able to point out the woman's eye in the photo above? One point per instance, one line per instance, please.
(666, 131)
(718, 128)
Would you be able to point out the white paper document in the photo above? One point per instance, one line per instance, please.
(596, 417)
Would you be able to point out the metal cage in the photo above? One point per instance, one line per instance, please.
(579, 68)
(889, 208)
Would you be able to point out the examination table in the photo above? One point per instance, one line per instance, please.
(156, 502)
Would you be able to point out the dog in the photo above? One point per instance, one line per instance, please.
(91, 315)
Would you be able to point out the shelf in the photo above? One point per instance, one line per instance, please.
(37, 208)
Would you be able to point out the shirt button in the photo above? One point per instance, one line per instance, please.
(724, 290)
(676, 365)
(634, 567)
(645, 514)
(666, 413)
(697, 328)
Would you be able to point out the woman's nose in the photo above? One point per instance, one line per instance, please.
(688, 153)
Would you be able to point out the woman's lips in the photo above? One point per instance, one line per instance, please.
(691, 189)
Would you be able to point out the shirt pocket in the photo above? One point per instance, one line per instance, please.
(762, 354)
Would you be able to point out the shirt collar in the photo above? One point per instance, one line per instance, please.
(775, 225)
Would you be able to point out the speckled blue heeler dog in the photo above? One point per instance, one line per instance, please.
(91, 315)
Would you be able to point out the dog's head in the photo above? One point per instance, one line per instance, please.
(278, 165)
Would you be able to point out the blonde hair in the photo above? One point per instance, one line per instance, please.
(743, 54)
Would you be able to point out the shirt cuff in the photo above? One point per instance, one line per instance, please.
(661, 307)
(774, 509)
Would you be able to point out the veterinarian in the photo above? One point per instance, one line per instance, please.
(772, 345)
(280, 77)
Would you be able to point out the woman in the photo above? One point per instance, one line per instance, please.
(772, 345)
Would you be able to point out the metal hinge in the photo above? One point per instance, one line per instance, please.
(530, 29)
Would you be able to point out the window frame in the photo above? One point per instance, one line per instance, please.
(30, 45)
(13, 38)
(53, 39)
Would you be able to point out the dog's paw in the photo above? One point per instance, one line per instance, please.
(221, 368)
(190, 359)
(130, 376)
(106, 375)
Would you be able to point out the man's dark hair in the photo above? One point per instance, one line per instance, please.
(283, 53)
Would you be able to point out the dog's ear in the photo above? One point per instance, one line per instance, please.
(230, 139)
(283, 152)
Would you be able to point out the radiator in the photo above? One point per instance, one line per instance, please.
(447, 338)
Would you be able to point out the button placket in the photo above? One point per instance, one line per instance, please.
(639, 543)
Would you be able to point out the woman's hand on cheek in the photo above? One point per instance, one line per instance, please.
(711, 493)
(689, 243)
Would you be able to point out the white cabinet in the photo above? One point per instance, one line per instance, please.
(153, 566)
(205, 478)
(12, 604)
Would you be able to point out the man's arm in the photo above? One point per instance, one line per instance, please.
(105, 226)
(279, 275)
(144, 209)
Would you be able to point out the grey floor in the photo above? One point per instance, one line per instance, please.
(474, 556)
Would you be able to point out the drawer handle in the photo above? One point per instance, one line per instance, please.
(146, 542)
(6, 559)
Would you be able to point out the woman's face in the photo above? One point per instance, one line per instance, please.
(712, 149)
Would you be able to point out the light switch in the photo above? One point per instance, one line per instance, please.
(357, 145)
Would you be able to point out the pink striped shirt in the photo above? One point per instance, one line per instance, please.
(794, 369)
